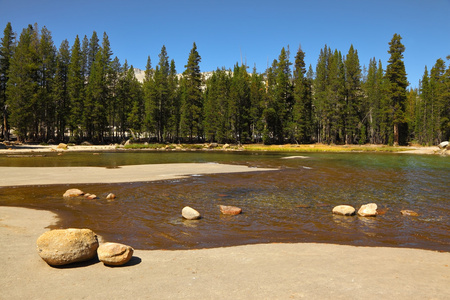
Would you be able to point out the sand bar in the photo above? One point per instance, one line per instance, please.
(266, 271)
(20, 176)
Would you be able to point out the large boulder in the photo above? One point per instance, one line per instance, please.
(230, 210)
(65, 246)
(368, 210)
(73, 193)
(190, 213)
(344, 210)
(114, 254)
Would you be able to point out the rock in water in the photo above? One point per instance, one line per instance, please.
(73, 193)
(62, 146)
(230, 210)
(65, 246)
(114, 254)
(368, 210)
(344, 210)
(111, 196)
(190, 213)
(407, 212)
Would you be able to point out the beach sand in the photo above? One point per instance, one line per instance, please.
(265, 271)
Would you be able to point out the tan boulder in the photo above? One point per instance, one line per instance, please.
(190, 213)
(407, 212)
(114, 254)
(65, 246)
(62, 146)
(368, 210)
(344, 210)
(73, 193)
(230, 210)
(90, 196)
(111, 196)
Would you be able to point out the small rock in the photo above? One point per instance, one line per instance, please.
(90, 196)
(73, 193)
(226, 146)
(190, 213)
(111, 196)
(344, 210)
(114, 254)
(407, 212)
(230, 210)
(62, 146)
(368, 210)
(65, 246)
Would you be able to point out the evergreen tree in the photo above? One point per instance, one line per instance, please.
(353, 106)
(92, 50)
(60, 89)
(301, 116)
(257, 95)
(192, 98)
(438, 89)
(239, 104)
(7, 48)
(136, 98)
(396, 76)
(173, 121)
(23, 85)
(75, 87)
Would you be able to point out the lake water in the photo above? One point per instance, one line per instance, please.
(290, 204)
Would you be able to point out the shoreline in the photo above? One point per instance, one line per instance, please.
(262, 271)
(315, 148)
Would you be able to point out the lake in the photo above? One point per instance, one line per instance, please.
(290, 204)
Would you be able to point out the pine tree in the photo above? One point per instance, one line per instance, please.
(257, 95)
(76, 92)
(353, 106)
(60, 89)
(23, 85)
(396, 76)
(135, 94)
(173, 121)
(301, 115)
(192, 98)
(7, 49)
(239, 104)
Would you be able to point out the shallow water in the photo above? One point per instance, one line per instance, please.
(291, 204)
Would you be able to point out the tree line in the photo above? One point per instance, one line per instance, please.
(81, 93)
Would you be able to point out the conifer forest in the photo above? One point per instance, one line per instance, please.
(79, 92)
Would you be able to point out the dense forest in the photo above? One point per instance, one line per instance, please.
(81, 93)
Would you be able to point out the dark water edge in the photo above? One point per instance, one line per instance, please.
(290, 205)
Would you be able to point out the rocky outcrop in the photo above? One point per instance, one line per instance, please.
(190, 214)
(65, 246)
(114, 254)
(73, 193)
(368, 210)
(344, 210)
(230, 210)
(407, 212)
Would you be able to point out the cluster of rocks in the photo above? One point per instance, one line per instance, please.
(78, 193)
(191, 214)
(366, 210)
(66, 246)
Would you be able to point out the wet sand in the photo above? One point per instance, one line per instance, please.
(265, 271)
(20, 176)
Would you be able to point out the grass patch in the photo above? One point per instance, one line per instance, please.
(323, 148)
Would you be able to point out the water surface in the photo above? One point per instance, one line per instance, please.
(291, 204)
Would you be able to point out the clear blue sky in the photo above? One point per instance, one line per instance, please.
(224, 29)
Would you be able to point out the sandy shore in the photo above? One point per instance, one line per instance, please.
(267, 271)
(19, 176)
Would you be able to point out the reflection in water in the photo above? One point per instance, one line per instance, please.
(291, 204)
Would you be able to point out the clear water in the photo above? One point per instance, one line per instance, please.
(290, 204)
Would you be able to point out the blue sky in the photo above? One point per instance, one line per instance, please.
(222, 30)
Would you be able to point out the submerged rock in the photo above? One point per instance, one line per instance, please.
(407, 212)
(73, 193)
(230, 210)
(65, 246)
(344, 210)
(368, 210)
(114, 254)
(90, 196)
(190, 213)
